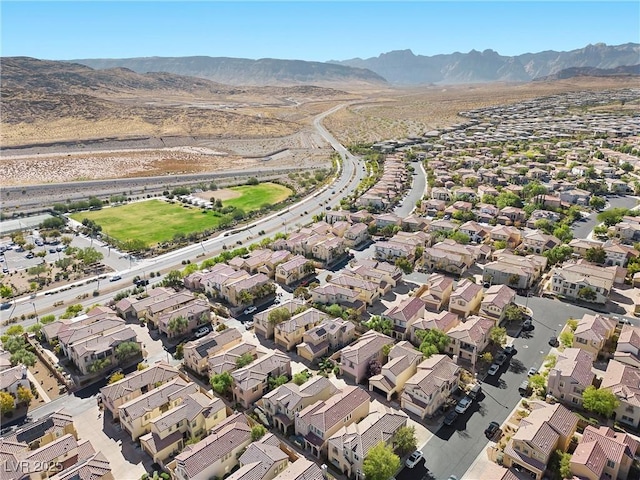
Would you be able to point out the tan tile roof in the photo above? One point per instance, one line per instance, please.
(256, 372)
(378, 426)
(291, 395)
(499, 295)
(326, 414)
(576, 364)
(172, 390)
(443, 321)
(595, 327)
(591, 455)
(369, 344)
(158, 373)
(466, 290)
(473, 331)
(432, 373)
(615, 445)
(406, 310)
(226, 361)
(624, 382)
(302, 469)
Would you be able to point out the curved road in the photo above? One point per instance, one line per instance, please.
(351, 173)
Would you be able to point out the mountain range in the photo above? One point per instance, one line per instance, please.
(401, 67)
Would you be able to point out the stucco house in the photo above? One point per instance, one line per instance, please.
(250, 383)
(466, 298)
(571, 376)
(402, 364)
(356, 358)
(426, 391)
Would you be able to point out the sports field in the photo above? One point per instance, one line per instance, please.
(152, 221)
(156, 221)
(253, 197)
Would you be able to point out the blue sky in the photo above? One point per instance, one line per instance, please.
(307, 30)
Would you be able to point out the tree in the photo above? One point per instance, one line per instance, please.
(257, 432)
(89, 255)
(544, 225)
(66, 240)
(573, 324)
(7, 403)
(275, 382)
(404, 440)
(24, 357)
(300, 378)
(221, 382)
(587, 293)
(405, 265)
(498, 335)
(279, 315)
(538, 383)
(460, 237)
(178, 325)
(24, 395)
(380, 463)
(13, 343)
(596, 255)
(566, 338)
(309, 268)
(116, 377)
(37, 270)
(173, 279)
(508, 199)
(127, 349)
(246, 297)
(244, 360)
(15, 330)
(513, 313)
(6, 291)
(486, 357)
(513, 280)
(334, 310)
(558, 254)
(598, 203)
(433, 341)
(612, 216)
(600, 400)
(374, 367)
(380, 324)
(563, 233)
(302, 292)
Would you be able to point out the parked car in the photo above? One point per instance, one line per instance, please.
(475, 391)
(492, 429)
(250, 310)
(527, 325)
(451, 417)
(493, 369)
(414, 459)
(202, 331)
(29, 255)
(500, 358)
(532, 371)
(5, 305)
(553, 341)
(115, 278)
(509, 350)
(524, 388)
(463, 405)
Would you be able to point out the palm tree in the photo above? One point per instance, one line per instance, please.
(178, 325)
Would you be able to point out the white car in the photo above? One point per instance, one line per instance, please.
(250, 310)
(201, 332)
(115, 278)
(493, 369)
(414, 459)
(463, 405)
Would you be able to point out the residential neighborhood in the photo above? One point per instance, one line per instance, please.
(504, 300)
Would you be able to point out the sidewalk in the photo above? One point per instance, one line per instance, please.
(36, 384)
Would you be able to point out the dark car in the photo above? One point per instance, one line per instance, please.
(553, 341)
(492, 429)
(451, 417)
(5, 305)
(527, 324)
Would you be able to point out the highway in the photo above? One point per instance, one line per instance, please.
(294, 216)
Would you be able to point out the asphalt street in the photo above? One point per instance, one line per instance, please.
(584, 228)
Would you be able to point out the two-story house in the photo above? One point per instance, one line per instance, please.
(495, 302)
(437, 292)
(466, 298)
(349, 446)
(404, 314)
(593, 332)
(434, 381)
(293, 270)
(330, 335)
(603, 453)
(623, 380)
(216, 454)
(402, 364)
(289, 333)
(443, 321)
(116, 394)
(192, 418)
(468, 339)
(538, 242)
(250, 383)
(320, 420)
(261, 323)
(356, 358)
(356, 235)
(583, 281)
(547, 428)
(571, 376)
(262, 460)
(628, 346)
(227, 361)
(282, 404)
(197, 352)
(196, 313)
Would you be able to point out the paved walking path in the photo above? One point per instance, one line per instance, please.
(41, 391)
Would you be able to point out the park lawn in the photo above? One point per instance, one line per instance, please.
(152, 221)
(253, 197)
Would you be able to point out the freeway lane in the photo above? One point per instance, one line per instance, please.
(293, 216)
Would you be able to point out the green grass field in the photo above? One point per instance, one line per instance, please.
(152, 221)
(254, 197)
(156, 221)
